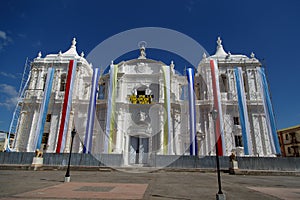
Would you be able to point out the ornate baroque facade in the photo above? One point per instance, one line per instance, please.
(141, 107)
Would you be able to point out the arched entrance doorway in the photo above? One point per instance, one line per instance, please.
(138, 150)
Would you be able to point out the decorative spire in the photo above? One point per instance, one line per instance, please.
(172, 64)
(82, 54)
(142, 46)
(220, 51)
(59, 53)
(39, 55)
(252, 55)
(72, 50)
(73, 43)
(204, 56)
(219, 42)
(112, 62)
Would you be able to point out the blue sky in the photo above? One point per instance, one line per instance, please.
(269, 28)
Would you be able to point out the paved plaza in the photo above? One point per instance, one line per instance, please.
(48, 184)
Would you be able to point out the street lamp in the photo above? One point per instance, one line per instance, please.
(220, 194)
(67, 176)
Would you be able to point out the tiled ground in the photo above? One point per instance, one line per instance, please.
(48, 184)
(83, 190)
(282, 193)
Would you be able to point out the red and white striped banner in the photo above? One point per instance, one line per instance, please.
(217, 106)
(64, 122)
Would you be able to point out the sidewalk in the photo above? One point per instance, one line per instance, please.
(27, 184)
(149, 169)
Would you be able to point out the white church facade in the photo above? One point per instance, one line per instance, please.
(143, 107)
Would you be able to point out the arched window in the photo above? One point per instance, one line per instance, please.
(245, 82)
(238, 141)
(44, 81)
(63, 78)
(223, 83)
(101, 91)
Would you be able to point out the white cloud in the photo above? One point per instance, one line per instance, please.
(9, 75)
(9, 103)
(4, 39)
(8, 90)
(9, 96)
(3, 35)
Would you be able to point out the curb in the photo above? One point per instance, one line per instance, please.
(148, 170)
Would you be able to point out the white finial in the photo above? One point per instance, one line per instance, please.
(82, 54)
(220, 51)
(39, 55)
(74, 42)
(172, 64)
(142, 46)
(219, 41)
(228, 55)
(204, 56)
(112, 62)
(59, 53)
(252, 55)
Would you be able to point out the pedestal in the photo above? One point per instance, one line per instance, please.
(67, 179)
(233, 167)
(37, 162)
(220, 197)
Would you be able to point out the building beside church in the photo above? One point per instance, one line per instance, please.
(3, 141)
(143, 107)
(289, 139)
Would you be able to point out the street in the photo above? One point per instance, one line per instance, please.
(21, 184)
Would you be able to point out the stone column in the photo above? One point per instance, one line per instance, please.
(161, 125)
(161, 91)
(172, 131)
(212, 134)
(57, 81)
(207, 147)
(176, 131)
(20, 130)
(40, 79)
(119, 132)
(68, 136)
(77, 84)
(126, 152)
(53, 131)
(31, 138)
(121, 89)
(33, 79)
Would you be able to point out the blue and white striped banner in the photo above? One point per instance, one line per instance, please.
(247, 141)
(88, 141)
(192, 110)
(44, 108)
(268, 110)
